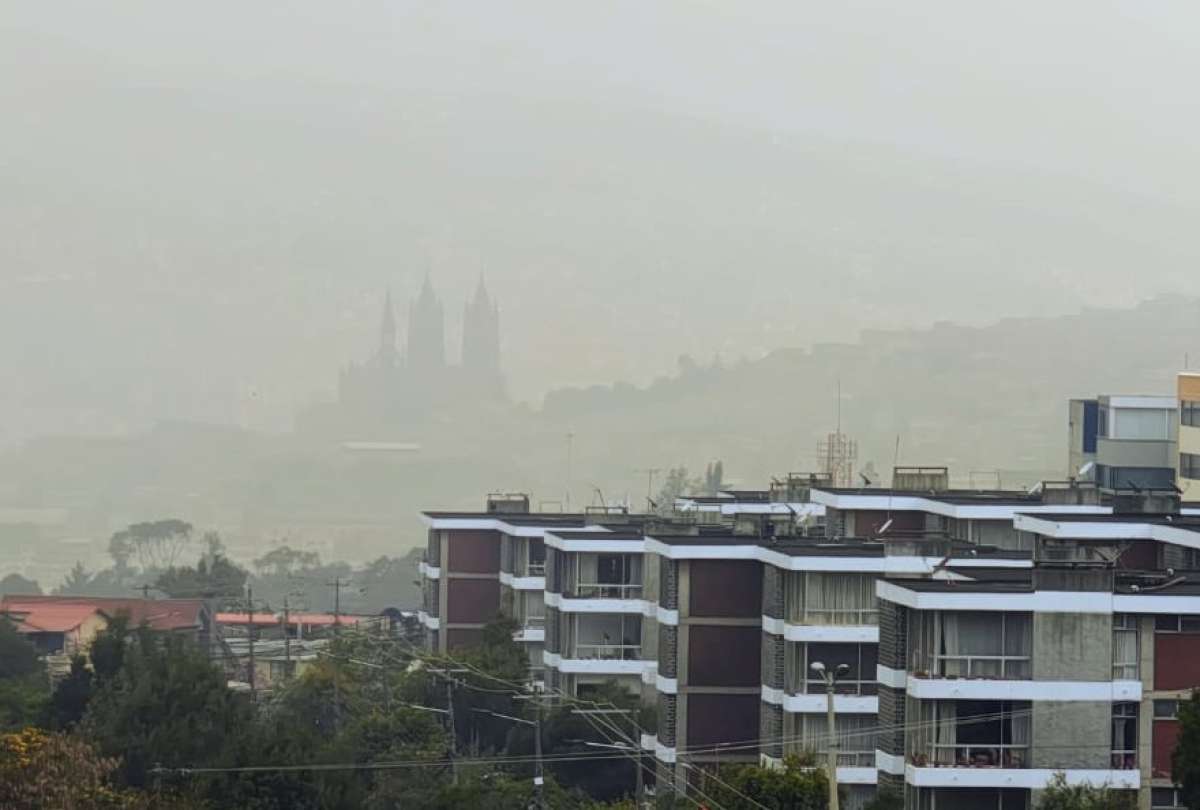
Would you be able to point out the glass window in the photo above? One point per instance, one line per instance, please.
(984, 645)
(857, 736)
(860, 658)
(1166, 799)
(1125, 647)
(1166, 709)
(1189, 413)
(1189, 465)
(1166, 624)
(839, 599)
(1141, 423)
(1124, 736)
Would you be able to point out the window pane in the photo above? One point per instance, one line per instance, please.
(1168, 624)
(1166, 708)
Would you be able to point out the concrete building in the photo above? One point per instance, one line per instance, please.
(1122, 442)
(1188, 469)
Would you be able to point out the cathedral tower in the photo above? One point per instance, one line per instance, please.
(426, 354)
(481, 334)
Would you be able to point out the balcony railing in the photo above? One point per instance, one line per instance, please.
(842, 687)
(609, 652)
(984, 666)
(536, 569)
(850, 759)
(605, 590)
(836, 618)
(534, 621)
(974, 756)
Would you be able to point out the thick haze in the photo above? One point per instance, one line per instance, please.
(201, 205)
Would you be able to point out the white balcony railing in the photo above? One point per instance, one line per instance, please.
(974, 756)
(1011, 667)
(608, 652)
(605, 590)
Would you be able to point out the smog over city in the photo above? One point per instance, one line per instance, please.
(286, 290)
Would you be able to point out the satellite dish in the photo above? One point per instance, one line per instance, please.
(1087, 469)
(1037, 488)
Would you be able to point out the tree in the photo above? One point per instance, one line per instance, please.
(72, 695)
(284, 561)
(108, 648)
(166, 704)
(1185, 761)
(76, 582)
(714, 478)
(156, 544)
(675, 486)
(23, 684)
(17, 585)
(795, 785)
(214, 576)
(1059, 795)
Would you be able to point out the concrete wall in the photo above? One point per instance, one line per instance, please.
(1075, 734)
(1072, 647)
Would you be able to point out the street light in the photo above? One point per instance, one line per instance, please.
(830, 678)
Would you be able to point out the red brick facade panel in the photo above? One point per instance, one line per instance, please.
(1176, 660)
(724, 656)
(472, 601)
(459, 639)
(474, 552)
(1166, 732)
(716, 719)
(725, 588)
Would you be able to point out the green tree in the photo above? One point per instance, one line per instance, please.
(17, 585)
(108, 648)
(1059, 795)
(214, 576)
(284, 561)
(156, 544)
(71, 696)
(166, 704)
(1185, 761)
(795, 786)
(76, 583)
(24, 687)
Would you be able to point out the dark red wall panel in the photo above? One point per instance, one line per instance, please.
(1176, 660)
(472, 601)
(1166, 732)
(459, 638)
(715, 719)
(725, 588)
(474, 552)
(724, 656)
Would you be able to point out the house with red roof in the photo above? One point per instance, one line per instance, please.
(67, 624)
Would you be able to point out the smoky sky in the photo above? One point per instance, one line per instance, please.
(202, 205)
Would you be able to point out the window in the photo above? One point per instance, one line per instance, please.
(969, 733)
(1176, 624)
(1124, 736)
(1141, 423)
(1166, 709)
(1125, 647)
(1166, 799)
(860, 658)
(984, 645)
(1189, 413)
(1189, 465)
(856, 737)
(608, 576)
(832, 599)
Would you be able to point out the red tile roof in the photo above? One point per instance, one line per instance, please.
(43, 618)
(158, 614)
(244, 618)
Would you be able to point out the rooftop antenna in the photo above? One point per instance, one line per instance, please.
(570, 440)
(650, 473)
(892, 488)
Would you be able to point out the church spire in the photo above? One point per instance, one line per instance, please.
(481, 333)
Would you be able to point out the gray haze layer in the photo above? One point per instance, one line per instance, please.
(202, 204)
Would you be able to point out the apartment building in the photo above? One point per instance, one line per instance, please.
(1124, 442)
(479, 564)
(1188, 468)
(993, 684)
(966, 675)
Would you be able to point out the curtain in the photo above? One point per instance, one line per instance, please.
(838, 598)
(949, 646)
(1020, 723)
(794, 597)
(1125, 653)
(946, 732)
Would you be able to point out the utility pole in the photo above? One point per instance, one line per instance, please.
(287, 641)
(453, 730)
(337, 586)
(250, 632)
(538, 800)
(830, 679)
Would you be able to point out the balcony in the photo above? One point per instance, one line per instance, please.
(608, 652)
(606, 590)
(973, 756)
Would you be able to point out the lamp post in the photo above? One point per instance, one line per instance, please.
(830, 678)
